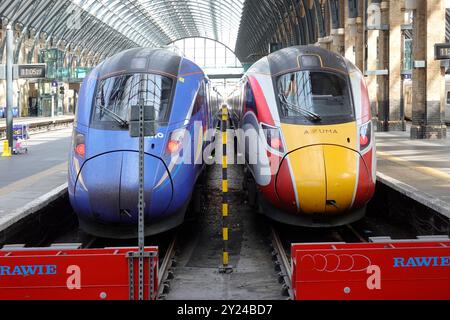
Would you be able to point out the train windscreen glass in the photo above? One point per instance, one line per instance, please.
(116, 95)
(315, 97)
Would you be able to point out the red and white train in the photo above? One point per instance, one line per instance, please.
(305, 129)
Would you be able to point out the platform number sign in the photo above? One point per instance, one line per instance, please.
(442, 51)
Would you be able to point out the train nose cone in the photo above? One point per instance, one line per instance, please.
(158, 187)
(112, 184)
(324, 178)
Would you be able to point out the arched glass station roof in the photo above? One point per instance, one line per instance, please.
(157, 22)
(105, 27)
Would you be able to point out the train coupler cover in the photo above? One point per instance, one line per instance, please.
(93, 274)
(371, 271)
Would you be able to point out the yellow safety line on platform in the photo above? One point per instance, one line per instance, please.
(21, 184)
(426, 170)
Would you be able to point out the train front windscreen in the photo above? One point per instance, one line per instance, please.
(116, 95)
(307, 97)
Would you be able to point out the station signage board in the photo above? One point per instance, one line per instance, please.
(25, 71)
(32, 71)
(442, 51)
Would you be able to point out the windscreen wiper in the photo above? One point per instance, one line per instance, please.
(300, 110)
(114, 116)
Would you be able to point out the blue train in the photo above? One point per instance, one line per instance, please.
(103, 168)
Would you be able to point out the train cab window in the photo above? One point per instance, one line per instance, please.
(250, 102)
(200, 101)
(313, 96)
(116, 95)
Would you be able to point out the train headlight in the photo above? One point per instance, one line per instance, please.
(365, 136)
(80, 145)
(273, 137)
(175, 143)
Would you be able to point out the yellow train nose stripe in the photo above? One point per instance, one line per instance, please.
(323, 165)
(309, 174)
(341, 173)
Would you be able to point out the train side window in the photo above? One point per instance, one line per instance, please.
(250, 99)
(448, 97)
(209, 101)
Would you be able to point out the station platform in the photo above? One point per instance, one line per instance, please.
(29, 182)
(38, 124)
(419, 169)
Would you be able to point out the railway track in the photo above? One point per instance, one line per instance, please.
(282, 265)
(165, 273)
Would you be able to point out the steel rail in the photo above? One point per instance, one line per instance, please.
(167, 263)
(356, 234)
(285, 266)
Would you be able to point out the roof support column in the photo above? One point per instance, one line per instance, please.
(428, 76)
(337, 30)
(396, 121)
(354, 32)
(373, 18)
(383, 68)
(324, 41)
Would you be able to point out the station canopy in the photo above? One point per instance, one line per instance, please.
(125, 23)
(159, 22)
(105, 27)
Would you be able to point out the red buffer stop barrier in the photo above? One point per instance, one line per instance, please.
(373, 271)
(75, 274)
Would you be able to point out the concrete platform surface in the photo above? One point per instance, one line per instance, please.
(36, 120)
(419, 169)
(29, 181)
